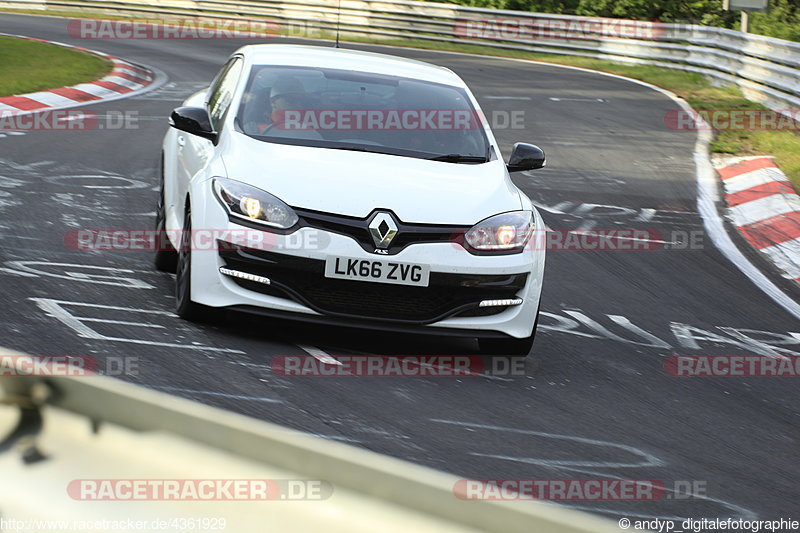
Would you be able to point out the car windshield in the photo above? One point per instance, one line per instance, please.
(349, 110)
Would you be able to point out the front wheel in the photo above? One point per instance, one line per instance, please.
(184, 306)
(166, 259)
(509, 346)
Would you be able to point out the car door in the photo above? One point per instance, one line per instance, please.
(193, 152)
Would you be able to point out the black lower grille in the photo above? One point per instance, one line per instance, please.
(303, 280)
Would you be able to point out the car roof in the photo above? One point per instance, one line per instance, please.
(342, 58)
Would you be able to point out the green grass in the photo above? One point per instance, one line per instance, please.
(694, 88)
(29, 66)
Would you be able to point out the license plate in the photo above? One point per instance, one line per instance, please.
(376, 270)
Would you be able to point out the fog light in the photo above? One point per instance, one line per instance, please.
(496, 303)
(244, 276)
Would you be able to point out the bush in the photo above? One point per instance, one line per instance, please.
(782, 21)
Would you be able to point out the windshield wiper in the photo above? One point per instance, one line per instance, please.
(459, 158)
(355, 148)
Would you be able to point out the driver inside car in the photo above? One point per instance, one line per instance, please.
(287, 93)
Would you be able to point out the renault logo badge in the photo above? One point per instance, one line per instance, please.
(383, 229)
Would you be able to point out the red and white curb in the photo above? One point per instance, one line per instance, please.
(124, 79)
(765, 209)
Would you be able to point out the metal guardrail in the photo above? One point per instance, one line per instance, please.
(766, 69)
(95, 427)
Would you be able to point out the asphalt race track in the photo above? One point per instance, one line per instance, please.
(595, 401)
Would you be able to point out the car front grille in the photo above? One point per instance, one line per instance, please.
(303, 280)
(356, 228)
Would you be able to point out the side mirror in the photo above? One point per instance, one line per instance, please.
(193, 120)
(525, 157)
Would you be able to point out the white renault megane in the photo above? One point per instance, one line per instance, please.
(344, 187)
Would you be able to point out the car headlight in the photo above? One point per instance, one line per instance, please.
(507, 232)
(253, 204)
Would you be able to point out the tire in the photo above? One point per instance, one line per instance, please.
(509, 346)
(166, 259)
(184, 306)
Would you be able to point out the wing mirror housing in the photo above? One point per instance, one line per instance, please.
(194, 120)
(525, 156)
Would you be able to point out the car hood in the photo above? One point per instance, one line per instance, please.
(356, 183)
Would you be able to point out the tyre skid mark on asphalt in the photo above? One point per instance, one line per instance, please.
(646, 459)
(580, 466)
(744, 513)
(216, 394)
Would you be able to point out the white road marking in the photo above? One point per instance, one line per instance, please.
(82, 116)
(17, 273)
(688, 336)
(319, 355)
(122, 323)
(630, 326)
(130, 182)
(25, 268)
(784, 255)
(581, 230)
(749, 340)
(55, 309)
(507, 97)
(647, 215)
(219, 394)
(584, 226)
(576, 99)
(250, 365)
(557, 209)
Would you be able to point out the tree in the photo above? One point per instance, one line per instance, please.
(782, 20)
(698, 11)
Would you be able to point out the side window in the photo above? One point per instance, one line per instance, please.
(221, 92)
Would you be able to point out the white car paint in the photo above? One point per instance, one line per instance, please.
(348, 183)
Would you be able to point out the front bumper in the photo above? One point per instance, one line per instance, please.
(294, 265)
